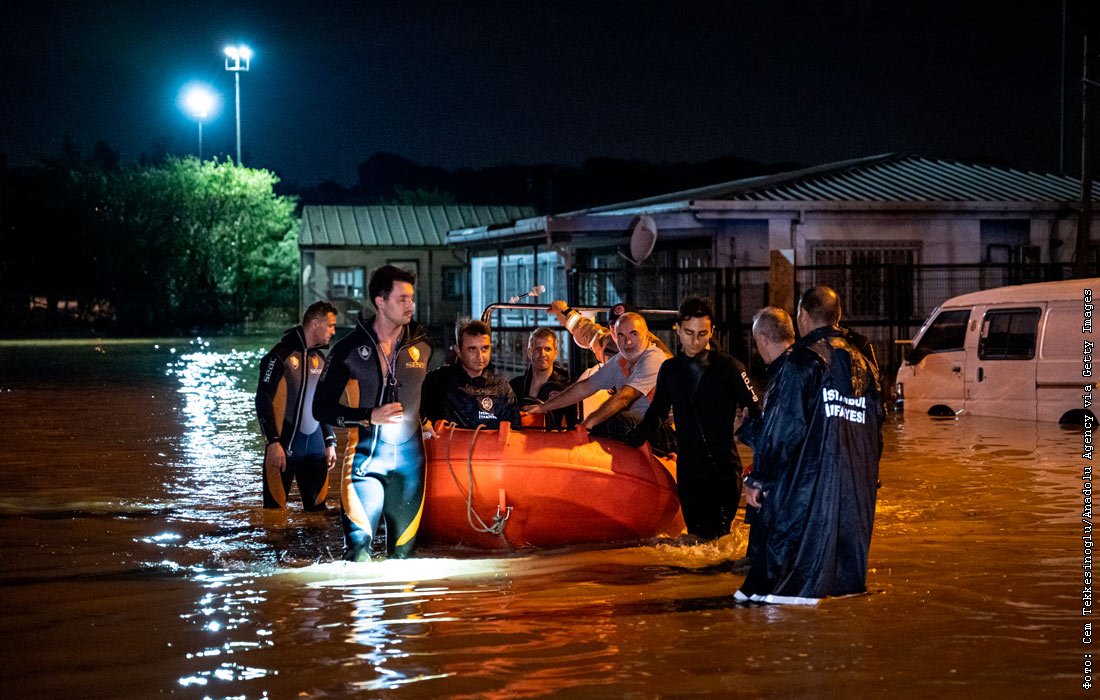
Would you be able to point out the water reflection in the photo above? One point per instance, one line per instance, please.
(144, 541)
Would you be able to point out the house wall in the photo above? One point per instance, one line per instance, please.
(430, 264)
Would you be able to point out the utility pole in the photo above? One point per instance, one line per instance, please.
(1084, 217)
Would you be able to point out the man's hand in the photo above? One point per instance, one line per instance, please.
(739, 418)
(536, 409)
(330, 456)
(557, 310)
(389, 413)
(275, 456)
(752, 496)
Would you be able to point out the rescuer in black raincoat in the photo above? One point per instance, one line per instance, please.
(704, 388)
(815, 468)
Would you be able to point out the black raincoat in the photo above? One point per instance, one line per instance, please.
(816, 457)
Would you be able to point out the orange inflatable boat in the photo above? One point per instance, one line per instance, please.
(499, 489)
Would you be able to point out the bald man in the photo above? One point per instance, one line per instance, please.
(630, 376)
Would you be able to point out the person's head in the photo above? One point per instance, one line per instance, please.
(695, 325)
(773, 332)
(474, 346)
(818, 307)
(542, 349)
(319, 324)
(631, 335)
(392, 290)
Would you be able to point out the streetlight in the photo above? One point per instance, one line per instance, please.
(237, 59)
(199, 101)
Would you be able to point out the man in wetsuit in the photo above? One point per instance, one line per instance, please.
(297, 445)
(371, 386)
(704, 388)
(815, 466)
(470, 392)
(544, 380)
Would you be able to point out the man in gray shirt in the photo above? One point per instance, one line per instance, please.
(630, 376)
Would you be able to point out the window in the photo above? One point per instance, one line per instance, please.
(1009, 335)
(947, 332)
(454, 282)
(346, 282)
(873, 277)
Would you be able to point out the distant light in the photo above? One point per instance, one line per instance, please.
(246, 53)
(200, 101)
(232, 52)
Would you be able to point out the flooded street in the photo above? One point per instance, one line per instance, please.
(137, 562)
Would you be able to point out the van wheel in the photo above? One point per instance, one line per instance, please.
(1076, 417)
(942, 411)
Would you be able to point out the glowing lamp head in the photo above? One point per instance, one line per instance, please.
(199, 102)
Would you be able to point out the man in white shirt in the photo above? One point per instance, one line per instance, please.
(630, 376)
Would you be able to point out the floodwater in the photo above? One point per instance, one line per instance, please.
(137, 562)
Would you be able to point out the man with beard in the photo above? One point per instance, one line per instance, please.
(630, 375)
(372, 387)
(470, 392)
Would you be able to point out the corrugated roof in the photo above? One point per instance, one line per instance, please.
(390, 226)
(884, 178)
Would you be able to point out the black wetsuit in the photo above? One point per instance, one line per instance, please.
(558, 382)
(383, 473)
(704, 393)
(288, 375)
(452, 394)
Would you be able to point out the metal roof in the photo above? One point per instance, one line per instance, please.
(388, 226)
(890, 177)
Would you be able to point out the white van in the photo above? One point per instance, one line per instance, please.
(1014, 352)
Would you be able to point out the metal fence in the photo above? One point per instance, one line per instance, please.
(886, 303)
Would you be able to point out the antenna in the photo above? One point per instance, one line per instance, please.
(643, 236)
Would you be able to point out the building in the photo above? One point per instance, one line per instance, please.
(894, 234)
(340, 245)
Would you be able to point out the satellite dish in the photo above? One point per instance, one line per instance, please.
(306, 272)
(643, 236)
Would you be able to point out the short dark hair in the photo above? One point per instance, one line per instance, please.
(774, 324)
(382, 279)
(821, 304)
(318, 309)
(471, 328)
(696, 307)
(542, 332)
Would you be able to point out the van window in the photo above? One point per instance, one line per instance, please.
(1009, 334)
(946, 332)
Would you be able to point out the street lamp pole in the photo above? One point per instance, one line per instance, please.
(237, 59)
(199, 101)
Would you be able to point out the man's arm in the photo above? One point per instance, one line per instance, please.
(326, 400)
(619, 401)
(271, 373)
(658, 408)
(575, 393)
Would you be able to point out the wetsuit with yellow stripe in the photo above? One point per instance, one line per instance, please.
(383, 472)
(284, 398)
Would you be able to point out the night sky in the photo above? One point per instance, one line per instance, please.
(474, 84)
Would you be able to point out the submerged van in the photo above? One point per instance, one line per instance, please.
(1015, 352)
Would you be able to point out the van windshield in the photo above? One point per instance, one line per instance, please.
(946, 332)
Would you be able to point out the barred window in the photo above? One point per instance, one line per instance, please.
(874, 278)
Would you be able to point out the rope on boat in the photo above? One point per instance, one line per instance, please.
(500, 519)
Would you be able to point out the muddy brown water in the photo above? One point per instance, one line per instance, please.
(136, 562)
